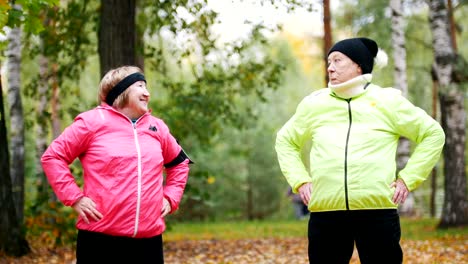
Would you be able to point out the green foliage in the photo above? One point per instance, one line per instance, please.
(207, 87)
(4, 11)
(242, 176)
(419, 63)
(24, 12)
(412, 229)
(209, 91)
(425, 228)
(373, 19)
(222, 101)
(53, 223)
(203, 80)
(66, 42)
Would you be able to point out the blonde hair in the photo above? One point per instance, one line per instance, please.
(111, 79)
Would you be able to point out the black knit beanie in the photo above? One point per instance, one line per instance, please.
(361, 50)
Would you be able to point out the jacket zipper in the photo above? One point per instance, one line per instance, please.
(346, 154)
(137, 214)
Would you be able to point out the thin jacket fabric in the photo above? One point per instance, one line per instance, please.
(353, 147)
(123, 170)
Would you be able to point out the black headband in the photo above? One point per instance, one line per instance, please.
(123, 85)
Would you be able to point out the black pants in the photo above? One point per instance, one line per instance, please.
(376, 233)
(94, 247)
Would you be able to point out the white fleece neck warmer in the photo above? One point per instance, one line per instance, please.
(351, 88)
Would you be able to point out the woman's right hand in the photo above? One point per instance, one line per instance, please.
(85, 207)
(305, 191)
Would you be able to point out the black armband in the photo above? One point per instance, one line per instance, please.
(179, 159)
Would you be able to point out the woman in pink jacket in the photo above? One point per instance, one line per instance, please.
(125, 153)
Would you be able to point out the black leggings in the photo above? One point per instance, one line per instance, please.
(376, 233)
(92, 247)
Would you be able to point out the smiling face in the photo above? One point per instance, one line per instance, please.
(136, 99)
(341, 68)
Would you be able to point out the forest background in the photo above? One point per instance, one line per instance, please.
(223, 99)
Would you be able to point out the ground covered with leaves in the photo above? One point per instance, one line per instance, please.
(263, 250)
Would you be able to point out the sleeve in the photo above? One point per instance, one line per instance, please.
(290, 140)
(176, 163)
(415, 124)
(59, 155)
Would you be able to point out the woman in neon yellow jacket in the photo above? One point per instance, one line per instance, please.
(352, 189)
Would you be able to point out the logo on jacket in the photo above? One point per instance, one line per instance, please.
(152, 128)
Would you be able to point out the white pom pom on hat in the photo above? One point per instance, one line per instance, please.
(381, 59)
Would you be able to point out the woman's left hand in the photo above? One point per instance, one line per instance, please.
(166, 207)
(401, 191)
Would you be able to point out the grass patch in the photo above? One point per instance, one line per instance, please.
(426, 228)
(236, 230)
(412, 229)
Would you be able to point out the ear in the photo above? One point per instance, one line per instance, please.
(359, 69)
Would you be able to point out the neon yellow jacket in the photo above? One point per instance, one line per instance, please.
(353, 147)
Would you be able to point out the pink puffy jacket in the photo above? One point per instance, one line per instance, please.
(123, 165)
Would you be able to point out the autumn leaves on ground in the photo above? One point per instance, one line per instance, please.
(271, 242)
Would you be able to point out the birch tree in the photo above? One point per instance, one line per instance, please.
(12, 236)
(16, 119)
(12, 239)
(61, 51)
(453, 117)
(401, 83)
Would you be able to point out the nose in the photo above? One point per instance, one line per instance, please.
(145, 91)
(330, 67)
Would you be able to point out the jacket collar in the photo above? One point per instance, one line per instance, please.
(351, 88)
(112, 109)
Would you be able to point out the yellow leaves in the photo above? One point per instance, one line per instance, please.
(440, 251)
(55, 232)
(4, 8)
(271, 250)
(306, 51)
(210, 180)
(238, 242)
(294, 250)
(267, 250)
(53, 205)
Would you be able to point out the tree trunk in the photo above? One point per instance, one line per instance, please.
(453, 119)
(117, 34)
(55, 103)
(455, 210)
(399, 50)
(400, 82)
(16, 120)
(327, 35)
(432, 204)
(452, 25)
(250, 203)
(44, 194)
(12, 239)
